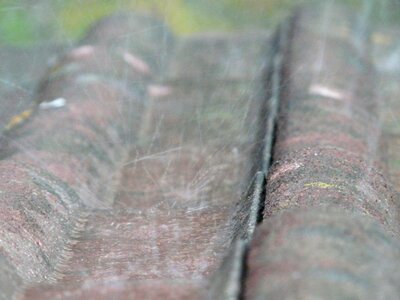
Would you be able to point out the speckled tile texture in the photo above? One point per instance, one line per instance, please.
(331, 218)
(127, 190)
(124, 183)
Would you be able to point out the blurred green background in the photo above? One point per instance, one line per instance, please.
(25, 22)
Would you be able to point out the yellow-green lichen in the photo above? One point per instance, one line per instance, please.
(322, 185)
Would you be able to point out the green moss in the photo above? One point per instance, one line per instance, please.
(76, 16)
(16, 27)
(71, 18)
